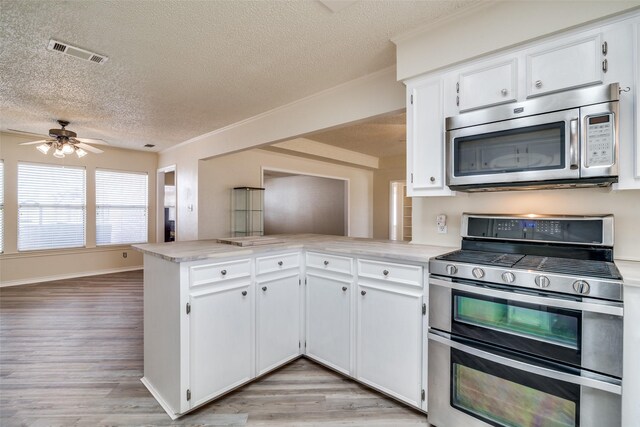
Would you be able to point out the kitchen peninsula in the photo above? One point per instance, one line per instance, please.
(217, 315)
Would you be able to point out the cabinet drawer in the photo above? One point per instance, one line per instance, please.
(401, 273)
(269, 264)
(211, 273)
(337, 264)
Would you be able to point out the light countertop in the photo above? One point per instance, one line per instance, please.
(207, 249)
(630, 271)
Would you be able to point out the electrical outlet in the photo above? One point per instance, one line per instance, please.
(442, 229)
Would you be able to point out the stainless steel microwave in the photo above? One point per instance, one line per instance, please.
(562, 140)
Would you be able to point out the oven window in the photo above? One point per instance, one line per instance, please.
(537, 322)
(515, 150)
(505, 396)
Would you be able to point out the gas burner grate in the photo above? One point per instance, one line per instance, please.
(576, 267)
(484, 258)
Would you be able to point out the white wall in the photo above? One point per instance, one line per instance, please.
(368, 96)
(33, 266)
(219, 175)
(624, 205)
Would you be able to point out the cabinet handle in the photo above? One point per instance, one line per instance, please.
(223, 272)
(363, 293)
(385, 272)
(538, 84)
(605, 65)
(504, 92)
(326, 263)
(244, 293)
(605, 48)
(280, 263)
(432, 179)
(264, 288)
(344, 288)
(457, 101)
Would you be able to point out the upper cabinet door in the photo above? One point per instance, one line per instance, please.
(425, 139)
(557, 67)
(485, 86)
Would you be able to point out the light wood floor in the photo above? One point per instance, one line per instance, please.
(71, 355)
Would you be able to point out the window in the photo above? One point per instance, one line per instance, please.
(1, 206)
(121, 207)
(51, 207)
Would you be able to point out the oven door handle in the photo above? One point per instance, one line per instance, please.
(598, 384)
(591, 307)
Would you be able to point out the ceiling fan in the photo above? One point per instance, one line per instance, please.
(66, 142)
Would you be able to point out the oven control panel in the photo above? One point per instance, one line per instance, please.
(600, 140)
(536, 229)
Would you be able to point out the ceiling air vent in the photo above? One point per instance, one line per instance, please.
(67, 49)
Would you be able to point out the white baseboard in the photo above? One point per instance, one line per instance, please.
(67, 276)
(159, 398)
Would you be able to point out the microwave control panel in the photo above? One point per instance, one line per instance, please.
(600, 140)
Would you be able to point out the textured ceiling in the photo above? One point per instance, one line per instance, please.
(179, 69)
(380, 137)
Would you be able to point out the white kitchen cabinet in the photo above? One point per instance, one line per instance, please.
(277, 320)
(636, 90)
(389, 337)
(328, 312)
(425, 139)
(623, 57)
(487, 84)
(220, 339)
(564, 64)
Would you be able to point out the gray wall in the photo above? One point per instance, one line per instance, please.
(304, 204)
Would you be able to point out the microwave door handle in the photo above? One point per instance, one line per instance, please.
(574, 149)
(591, 307)
(598, 384)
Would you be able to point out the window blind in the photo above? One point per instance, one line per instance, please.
(121, 207)
(1, 206)
(51, 206)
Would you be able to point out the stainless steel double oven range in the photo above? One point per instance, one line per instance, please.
(525, 324)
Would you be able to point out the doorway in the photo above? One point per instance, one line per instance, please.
(167, 202)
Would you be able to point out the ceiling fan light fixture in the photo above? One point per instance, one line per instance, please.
(44, 148)
(68, 148)
(58, 153)
(80, 152)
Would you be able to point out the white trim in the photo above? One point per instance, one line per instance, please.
(339, 87)
(159, 398)
(341, 178)
(460, 14)
(32, 280)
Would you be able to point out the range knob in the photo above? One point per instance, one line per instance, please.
(581, 287)
(508, 277)
(542, 281)
(451, 269)
(478, 273)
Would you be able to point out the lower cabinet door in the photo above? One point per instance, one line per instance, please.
(389, 341)
(328, 321)
(278, 321)
(221, 340)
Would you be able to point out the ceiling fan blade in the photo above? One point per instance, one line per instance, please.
(92, 141)
(37, 142)
(89, 148)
